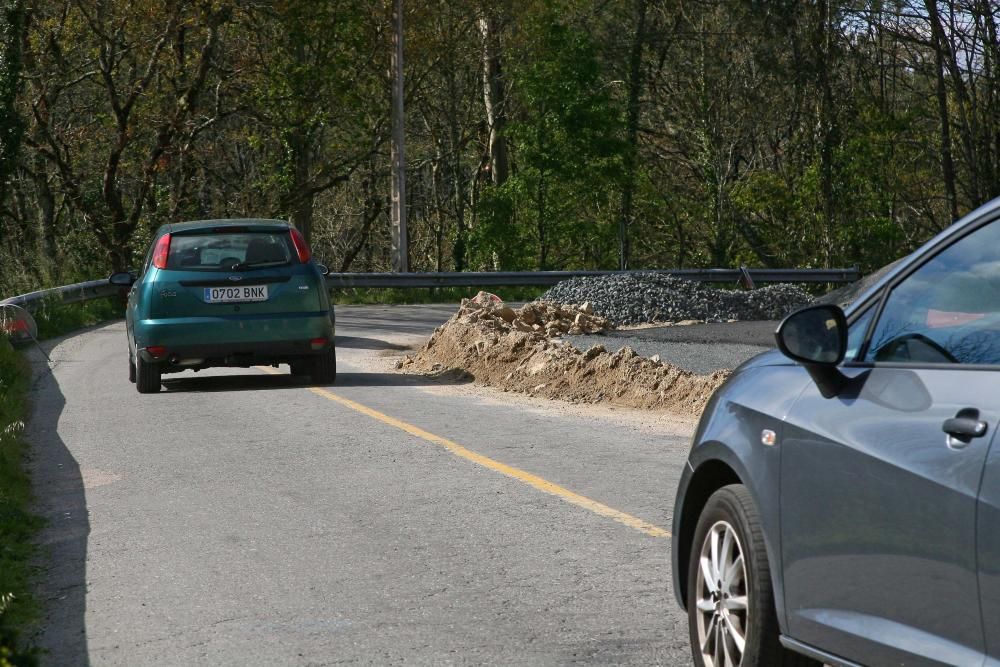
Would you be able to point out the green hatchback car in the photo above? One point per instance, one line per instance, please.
(228, 293)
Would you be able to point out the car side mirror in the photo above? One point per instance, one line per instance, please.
(122, 279)
(324, 269)
(816, 337)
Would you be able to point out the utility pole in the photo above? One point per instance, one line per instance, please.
(400, 241)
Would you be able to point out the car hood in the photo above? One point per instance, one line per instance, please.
(769, 358)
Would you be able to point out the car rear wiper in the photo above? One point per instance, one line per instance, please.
(242, 266)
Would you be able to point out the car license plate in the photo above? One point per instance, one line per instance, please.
(239, 294)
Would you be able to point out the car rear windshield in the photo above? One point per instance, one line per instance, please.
(229, 251)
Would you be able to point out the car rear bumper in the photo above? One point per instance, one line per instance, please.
(234, 341)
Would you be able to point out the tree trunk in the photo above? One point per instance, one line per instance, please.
(458, 248)
(947, 164)
(46, 212)
(301, 197)
(12, 29)
(967, 127)
(373, 207)
(493, 97)
(827, 124)
(543, 241)
(986, 18)
(635, 84)
(438, 208)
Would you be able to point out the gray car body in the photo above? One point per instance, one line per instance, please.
(882, 543)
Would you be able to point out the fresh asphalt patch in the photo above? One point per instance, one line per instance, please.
(699, 348)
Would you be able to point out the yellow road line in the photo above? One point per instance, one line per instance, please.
(518, 474)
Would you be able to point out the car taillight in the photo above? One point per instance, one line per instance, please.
(157, 351)
(14, 326)
(301, 248)
(318, 343)
(161, 252)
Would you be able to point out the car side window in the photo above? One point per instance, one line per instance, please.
(856, 333)
(948, 310)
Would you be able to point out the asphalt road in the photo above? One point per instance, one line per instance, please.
(240, 518)
(699, 348)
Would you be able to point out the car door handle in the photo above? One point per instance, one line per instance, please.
(963, 427)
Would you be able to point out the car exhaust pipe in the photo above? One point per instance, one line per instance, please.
(177, 361)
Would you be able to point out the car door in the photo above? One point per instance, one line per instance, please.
(988, 533)
(878, 502)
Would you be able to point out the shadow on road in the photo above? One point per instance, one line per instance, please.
(58, 486)
(257, 382)
(362, 343)
(397, 380)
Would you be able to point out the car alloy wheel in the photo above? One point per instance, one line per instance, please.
(723, 612)
(731, 615)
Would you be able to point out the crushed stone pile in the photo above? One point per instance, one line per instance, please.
(638, 298)
(495, 345)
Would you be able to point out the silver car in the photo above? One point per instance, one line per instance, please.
(841, 501)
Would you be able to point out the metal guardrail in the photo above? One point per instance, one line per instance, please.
(93, 289)
(544, 278)
(97, 289)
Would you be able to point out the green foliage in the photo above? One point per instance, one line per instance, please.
(11, 123)
(55, 319)
(555, 210)
(18, 610)
(307, 86)
(769, 133)
(18, 526)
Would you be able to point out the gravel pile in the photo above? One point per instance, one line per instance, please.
(651, 297)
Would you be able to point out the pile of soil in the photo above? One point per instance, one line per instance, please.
(520, 350)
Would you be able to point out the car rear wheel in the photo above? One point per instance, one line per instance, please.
(731, 616)
(147, 377)
(324, 368)
(131, 370)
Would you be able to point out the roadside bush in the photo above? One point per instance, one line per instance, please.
(55, 319)
(17, 525)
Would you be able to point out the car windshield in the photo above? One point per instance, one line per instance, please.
(215, 251)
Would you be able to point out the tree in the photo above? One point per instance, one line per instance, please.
(91, 66)
(11, 123)
(312, 67)
(567, 156)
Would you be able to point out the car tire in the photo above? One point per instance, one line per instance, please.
(147, 377)
(324, 368)
(299, 368)
(737, 606)
(131, 370)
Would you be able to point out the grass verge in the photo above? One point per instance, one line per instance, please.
(18, 526)
(55, 319)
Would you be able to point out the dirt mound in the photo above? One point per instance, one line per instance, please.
(518, 350)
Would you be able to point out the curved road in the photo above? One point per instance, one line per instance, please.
(240, 518)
